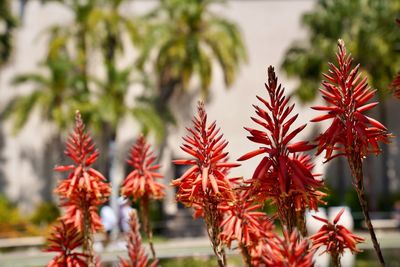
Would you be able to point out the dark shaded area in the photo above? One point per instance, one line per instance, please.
(3, 181)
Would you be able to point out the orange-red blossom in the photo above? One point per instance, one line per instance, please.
(136, 252)
(335, 237)
(85, 188)
(206, 176)
(142, 180)
(347, 93)
(64, 239)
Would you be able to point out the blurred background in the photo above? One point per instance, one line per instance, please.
(140, 66)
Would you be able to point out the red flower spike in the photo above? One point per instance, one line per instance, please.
(140, 184)
(64, 239)
(136, 252)
(289, 251)
(205, 184)
(347, 94)
(335, 237)
(283, 175)
(243, 222)
(84, 189)
(207, 175)
(142, 180)
(351, 134)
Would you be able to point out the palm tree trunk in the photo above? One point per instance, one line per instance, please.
(106, 138)
(82, 56)
(167, 88)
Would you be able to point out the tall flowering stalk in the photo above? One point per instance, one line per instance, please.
(136, 253)
(140, 184)
(64, 240)
(284, 175)
(336, 238)
(84, 189)
(205, 184)
(351, 134)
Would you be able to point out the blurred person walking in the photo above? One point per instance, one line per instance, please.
(109, 221)
(125, 210)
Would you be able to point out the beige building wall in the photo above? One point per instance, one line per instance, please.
(269, 27)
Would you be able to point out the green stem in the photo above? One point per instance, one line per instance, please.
(147, 225)
(245, 255)
(213, 218)
(335, 257)
(87, 245)
(357, 173)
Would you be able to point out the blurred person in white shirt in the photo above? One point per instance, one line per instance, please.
(125, 210)
(109, 221)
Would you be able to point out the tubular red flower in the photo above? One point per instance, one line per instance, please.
(335, 237)
(136, 252)
(281, 170)
(141, 181)
(347, 94)
(284, 174)
(207, 175)
(244, 222)
(84, 188)
(205, 184)
(289, 251)
(64, 239)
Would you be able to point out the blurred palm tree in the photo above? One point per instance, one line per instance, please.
(368, 27)
(184, 39)
(95, 35)
(52, 94)
(54, 98)
(78, 37)
(7, 24)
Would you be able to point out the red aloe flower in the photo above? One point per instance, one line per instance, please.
(137, 255)
(74, 214)
(85, 188)
(205, 184)
(245, 223)
(347, 94)
(336, 238)
(243, 220)
(64, 239)
(291, 251)
(142, 180)
(140, 184)
(207, 176)
(266, 239)
(283, 175)
(351, 133)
